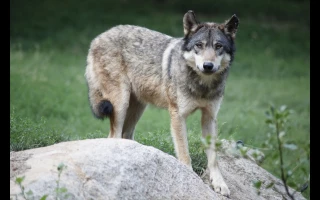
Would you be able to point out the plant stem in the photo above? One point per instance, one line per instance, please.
(58, 185)
(281, 162)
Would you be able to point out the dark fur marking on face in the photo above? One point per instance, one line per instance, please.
(210, 34)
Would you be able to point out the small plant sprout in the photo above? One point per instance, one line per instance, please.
(277, 119)
(61, 191)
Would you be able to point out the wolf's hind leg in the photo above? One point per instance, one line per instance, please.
(134, 113)
(120, 101)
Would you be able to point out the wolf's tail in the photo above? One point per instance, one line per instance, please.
(103, 109)
(100, 107)
(100, 104)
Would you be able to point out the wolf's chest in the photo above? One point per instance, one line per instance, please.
(196, 88)
(207, 92)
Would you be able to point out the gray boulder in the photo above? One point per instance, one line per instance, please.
(124, 169)
(240, 173)
(106, 169)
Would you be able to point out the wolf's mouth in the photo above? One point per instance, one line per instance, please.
(210, 71)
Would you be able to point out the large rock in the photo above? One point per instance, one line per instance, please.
(106, 169)
(124, 169)
(240, 173)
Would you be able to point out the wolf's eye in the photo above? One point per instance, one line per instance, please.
(218, 46)
(199, 45)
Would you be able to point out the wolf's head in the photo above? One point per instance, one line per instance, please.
(209, 47)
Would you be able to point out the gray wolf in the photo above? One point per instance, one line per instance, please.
(129, 67)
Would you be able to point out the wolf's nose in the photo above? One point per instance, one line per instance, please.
(207, 65)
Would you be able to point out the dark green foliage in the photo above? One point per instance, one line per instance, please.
(26, 134)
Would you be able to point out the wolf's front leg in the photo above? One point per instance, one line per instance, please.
(209, 127)
(179, 135)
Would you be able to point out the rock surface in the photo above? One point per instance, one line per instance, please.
(124, 169)
(240, 173)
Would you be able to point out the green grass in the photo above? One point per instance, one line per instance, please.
(49, 41)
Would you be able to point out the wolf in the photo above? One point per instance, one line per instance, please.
(129, 67)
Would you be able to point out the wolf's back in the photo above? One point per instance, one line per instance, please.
(126, 51)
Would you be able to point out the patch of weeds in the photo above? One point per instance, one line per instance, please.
(27, 134)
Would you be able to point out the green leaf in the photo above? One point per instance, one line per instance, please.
(243, 151)
(283, 108)
(204, 143)
(292, 184)
(19, 180)
(208, 139)
(267, 113)
(269, 121)
(304, 170)
(286, 114)
(272, 109)
(272, 126)
(270, 185)
(44, 197)
(278, 115)
(61, 166)
(257, 184)
(255, 155)
(66, 195)
(29, 193)
(281, 134)
(61, 190)
(290, 146)
(218, 144)
(265, 144)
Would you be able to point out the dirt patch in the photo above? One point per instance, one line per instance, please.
(18, 163)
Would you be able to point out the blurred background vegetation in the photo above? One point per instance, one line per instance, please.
(49, 41)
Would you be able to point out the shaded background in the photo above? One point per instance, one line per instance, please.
(45, 21)
(49, 41)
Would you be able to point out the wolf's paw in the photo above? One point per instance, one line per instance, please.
(218, 183)
(189, 166)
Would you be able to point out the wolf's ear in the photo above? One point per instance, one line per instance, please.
(231, 26)
(190, 23)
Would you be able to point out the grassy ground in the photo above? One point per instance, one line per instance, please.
(49, 41)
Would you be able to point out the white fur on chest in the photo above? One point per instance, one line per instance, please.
(188, 104)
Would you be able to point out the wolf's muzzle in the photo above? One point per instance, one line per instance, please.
(208, 67)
